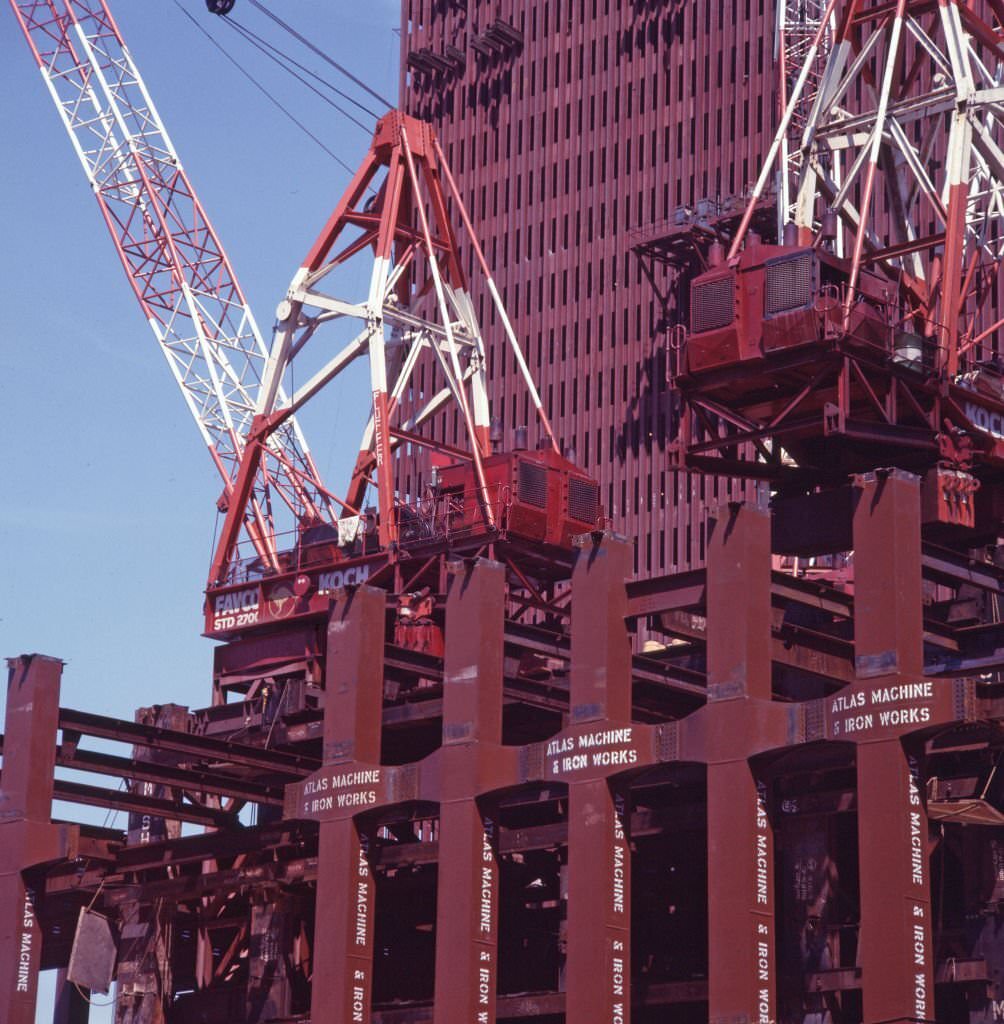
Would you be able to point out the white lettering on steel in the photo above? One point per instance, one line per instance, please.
(763, 966)
(351, 576)
(342, 789)
(604, 748)
(24, 973)
(764, 900)
(617, 982)
(362, 899)
(918, 869)
(989, 422)
(850, 716)
(762, 866)
(917, 851)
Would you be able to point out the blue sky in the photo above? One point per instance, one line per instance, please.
(108, 495)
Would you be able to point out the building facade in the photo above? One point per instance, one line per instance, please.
(576, 130)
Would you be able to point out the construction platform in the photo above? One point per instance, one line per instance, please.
(787, 812)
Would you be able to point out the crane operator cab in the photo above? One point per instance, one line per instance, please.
(819, 379)
(778, 303)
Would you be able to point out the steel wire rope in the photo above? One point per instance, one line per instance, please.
(265, 47)
(85, 994)
(320, 53)
(236, 63)
(308, 71)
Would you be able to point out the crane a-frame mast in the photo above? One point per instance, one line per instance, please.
(172, 256)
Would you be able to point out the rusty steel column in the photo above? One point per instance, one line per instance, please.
(467, 897)
(888, 606)
(353, 700)
(27, 836)
(739, 606)
(143, 972)
(741, 957)
(895, 946)
(145, 828)
(143, 969)
(269, 993)
(598, 965)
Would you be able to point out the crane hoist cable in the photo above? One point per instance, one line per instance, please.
(278, 56)
(237, 64)
(320, 53)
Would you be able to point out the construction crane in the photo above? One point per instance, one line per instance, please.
(801, 30)
(803, 363)
(417, 326)
(171, 254)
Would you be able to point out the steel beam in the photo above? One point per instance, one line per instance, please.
(270, 960)
(195, 748)
(26, 836)
(598, 965)
(467, 898)
(888, 606)
(343, 930)
(600, 645)
(741, 968)
(145, 827)
(467, 902)
(143, 975)
(741, 932)
(895, 948)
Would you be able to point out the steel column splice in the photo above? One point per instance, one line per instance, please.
(741, 934)
(598, 973)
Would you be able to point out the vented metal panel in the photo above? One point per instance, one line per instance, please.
(789, 284)
(712, 304)
(583, 499)
(532, 484)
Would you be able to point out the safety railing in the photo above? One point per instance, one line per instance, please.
(450, 516)
(302, 549)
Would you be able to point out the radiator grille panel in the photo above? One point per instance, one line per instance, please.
(583, 500)
(789, 284)
(532, 484)
(712, 304)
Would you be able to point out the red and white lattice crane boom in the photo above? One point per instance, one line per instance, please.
(870, 336)
(905, 129)
(417, 306)
(173, 258)
(415, 324)
(804, 41)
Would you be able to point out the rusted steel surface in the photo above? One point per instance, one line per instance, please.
(589, 789)
(598, 935)
(741, 931)
(896, 946)
(793, 845)
(467, 908)
(346, 892)
(26, 835)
